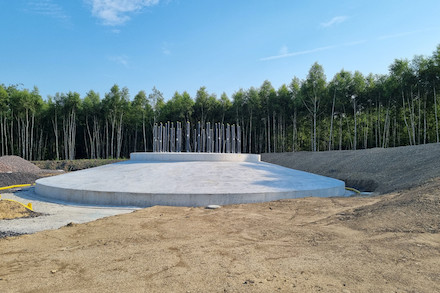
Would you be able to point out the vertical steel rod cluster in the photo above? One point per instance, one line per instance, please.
(217, 138)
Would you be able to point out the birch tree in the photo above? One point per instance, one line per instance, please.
(313, 91)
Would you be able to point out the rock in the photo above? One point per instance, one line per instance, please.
(213, 207)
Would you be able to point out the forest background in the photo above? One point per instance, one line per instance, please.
(350, 111)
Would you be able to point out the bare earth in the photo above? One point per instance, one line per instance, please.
(13, 210)
(386, 243)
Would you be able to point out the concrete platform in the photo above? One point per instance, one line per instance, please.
(184, 157)
(174, 179)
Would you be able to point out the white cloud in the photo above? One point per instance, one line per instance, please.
(285, 54)
(296, 53)
(116, 12)
(334, 20)
(47, 8)
(121, 59)
(404, 34)
(284, 50)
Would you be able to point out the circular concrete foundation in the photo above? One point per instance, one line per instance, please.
(186, 179)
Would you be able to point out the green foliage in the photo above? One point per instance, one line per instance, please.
(350, 111)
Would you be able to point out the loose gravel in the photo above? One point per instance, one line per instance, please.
(17, 164)
(15, 170)
(55, 214)
(381, 170)
(9, 234)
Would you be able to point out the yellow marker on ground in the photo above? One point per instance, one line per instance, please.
(29, 205)
(15, 186)
(352, 189)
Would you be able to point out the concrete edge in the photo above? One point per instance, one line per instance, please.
(190, 200)
(182, 157)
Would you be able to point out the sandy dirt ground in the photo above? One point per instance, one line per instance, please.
(385, 243)
(12, 210)
(388, 243)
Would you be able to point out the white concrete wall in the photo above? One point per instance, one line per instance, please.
(148, 200)
(181, 157)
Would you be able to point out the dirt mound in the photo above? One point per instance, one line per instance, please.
(15, 170)
(410, 211)
(17, 164)
(380, 170)
(7, 179)
(13, 210)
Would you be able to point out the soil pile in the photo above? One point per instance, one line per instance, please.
(15, 170)
(416, 210)
(379, 170)
(13, 210)
(17, 164)
(7, 179)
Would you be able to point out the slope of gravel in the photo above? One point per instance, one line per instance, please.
(379, 170)
(17, 164)
(7, 179)
(15, 170)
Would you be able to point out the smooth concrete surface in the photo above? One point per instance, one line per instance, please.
(184, 157)
(185, 183)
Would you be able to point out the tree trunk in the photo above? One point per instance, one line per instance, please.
(435, 113)
(144, 133)
(119, 137)
(268, 132)
(250, 131)
(330, 140)
(274, 133)
(405, 120)
(55, 130)
(379, 126)
(340, 132)
(419, 130)
(424, 121)
(355, 124)
(294, 130)
(2, 134)
(315, 110)
(412, 118)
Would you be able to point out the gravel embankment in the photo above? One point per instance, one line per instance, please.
(17, 164)
(15, 170)
(379, 170)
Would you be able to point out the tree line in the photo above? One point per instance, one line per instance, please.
(350, 111)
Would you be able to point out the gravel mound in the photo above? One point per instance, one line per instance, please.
(379, 170)
(7, 179)
(17, 164)
(15, 170)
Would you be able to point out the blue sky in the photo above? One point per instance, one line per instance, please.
(181, 45)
